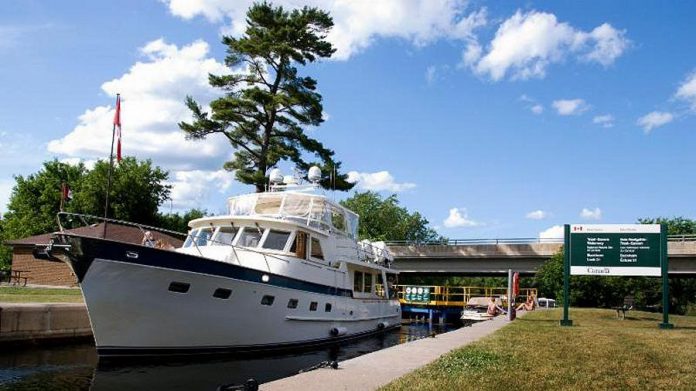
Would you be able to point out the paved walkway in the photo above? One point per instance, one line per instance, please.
(371, 371)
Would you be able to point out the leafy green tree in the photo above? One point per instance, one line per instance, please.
(266, 106)
(384, 219)
(35, 200)
(5, 252)
(137, 191)
(179, 222)
(675, 225)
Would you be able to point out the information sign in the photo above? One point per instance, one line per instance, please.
(615, 249)
(417, 293)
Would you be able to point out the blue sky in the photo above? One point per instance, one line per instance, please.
(491, 119)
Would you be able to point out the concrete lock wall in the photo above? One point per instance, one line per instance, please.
(35, 322)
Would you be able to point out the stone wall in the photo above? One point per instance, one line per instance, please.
(42, 272)
(36, 322)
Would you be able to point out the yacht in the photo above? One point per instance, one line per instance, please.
(282, 269)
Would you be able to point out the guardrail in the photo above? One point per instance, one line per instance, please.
(456, 242)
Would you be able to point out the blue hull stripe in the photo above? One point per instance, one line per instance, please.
(92, 248)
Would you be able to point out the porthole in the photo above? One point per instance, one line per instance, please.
(313, 306)
(222, 293)
(267, 300)
(327, 307)
(179, 287)
(292, 303)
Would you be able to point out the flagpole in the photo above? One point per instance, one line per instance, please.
(111, 169)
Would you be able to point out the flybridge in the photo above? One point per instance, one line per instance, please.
(310, 209)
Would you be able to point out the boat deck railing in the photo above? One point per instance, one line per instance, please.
(453, 296)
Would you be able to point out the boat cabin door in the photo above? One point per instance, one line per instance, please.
(300, 245)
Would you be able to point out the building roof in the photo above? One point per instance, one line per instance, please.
(117, 232)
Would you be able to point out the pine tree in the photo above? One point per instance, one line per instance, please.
(265, 107)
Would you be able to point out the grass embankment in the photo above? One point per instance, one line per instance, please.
(598, 352)
(12, 294)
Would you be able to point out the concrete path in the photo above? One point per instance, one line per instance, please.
(371, 371)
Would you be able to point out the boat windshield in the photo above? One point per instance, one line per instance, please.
(200, 237)
(309, 209)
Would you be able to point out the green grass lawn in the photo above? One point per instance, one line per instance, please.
(599, 352)
(12, 294)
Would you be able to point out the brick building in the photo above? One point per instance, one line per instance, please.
(43, 272)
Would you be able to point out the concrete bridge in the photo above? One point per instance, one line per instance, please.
(496, 256)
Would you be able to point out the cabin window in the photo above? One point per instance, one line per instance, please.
(292, 303)
(225, 236)
(379, 286)
(275, 240)
(198, 237)
(250, 237)
(327, 307)
(313, 306)
(299, 245)
(368, 283)
(316, 249)
(222, 293)
(189, 239)
(338, 221)
(267, 300)
(357, 281)
(179, 287)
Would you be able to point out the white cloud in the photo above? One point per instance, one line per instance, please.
(537, 215)
(537, 109)
(606, 120)
(378, 181)
(591, 214)
(654, 120)
(687, 90)
(191, 189)
(555, 232)
(570, 106)
(458, 217)
(527, 43)
(153, 93)
(430, 74)
(357, 23)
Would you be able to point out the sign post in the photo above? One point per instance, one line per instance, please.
(566, 275)
(616, 250)
(665, 282)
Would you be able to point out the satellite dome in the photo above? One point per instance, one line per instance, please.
(314, 174)
(275, 176)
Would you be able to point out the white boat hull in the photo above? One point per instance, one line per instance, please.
(133, 311)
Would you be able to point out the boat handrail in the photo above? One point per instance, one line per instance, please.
(142, 227)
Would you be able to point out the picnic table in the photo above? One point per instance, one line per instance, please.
(16, 276)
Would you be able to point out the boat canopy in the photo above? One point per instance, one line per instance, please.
(312, 210)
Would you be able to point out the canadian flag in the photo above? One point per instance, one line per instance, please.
(67, 193)
(117, 127)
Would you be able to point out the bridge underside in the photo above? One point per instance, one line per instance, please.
(678, 266)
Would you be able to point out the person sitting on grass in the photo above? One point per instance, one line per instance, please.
(527, 305)
(492, 308)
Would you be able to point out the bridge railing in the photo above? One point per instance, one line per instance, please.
(473, 242)
(455, 242)
(681, 238)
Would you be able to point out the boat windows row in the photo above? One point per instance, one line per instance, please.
(223, 293)
(299, 243)
(293, 303)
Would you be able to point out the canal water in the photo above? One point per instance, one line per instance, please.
(76, 367)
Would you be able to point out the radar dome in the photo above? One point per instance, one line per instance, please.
(314, 174)
(275, 176)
